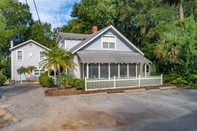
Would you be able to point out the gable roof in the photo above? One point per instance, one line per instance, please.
(28, 42)
(97, 34)
(72, 36)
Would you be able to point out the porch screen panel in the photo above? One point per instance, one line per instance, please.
(132, 72)
(93, 70)
(104, 70)
(113, 70)
(123, 70)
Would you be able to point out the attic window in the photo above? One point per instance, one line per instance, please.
(108, 42)
(30, 44)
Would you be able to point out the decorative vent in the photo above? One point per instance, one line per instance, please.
(30, 44)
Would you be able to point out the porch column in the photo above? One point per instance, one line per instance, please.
(141, 69)
(99, 70)
(136, 70)
(87, 70)
(127, 70)
(118, 70)
(145, 70)
(83, 70)
(55, 76)
(109, 70)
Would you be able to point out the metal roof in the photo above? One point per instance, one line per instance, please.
(106, 56)
(73, 36)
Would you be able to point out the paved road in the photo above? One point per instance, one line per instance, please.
(168, 110)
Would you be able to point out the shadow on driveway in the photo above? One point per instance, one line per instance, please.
(18, 89)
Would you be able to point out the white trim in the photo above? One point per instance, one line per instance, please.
(118, 70)
(109, 70)
(145, 70)
(136, 70)
(17, 55)
(65, 44)
(107, 28)
(87, 70)
(127, 70)
(28, 42)
(12, 66)
(99, 70)
(108, 42)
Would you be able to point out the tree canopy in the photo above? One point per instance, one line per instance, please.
(165, 30)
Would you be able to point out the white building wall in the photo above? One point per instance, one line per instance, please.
(27, 60)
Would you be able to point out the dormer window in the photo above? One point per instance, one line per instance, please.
(108, 42)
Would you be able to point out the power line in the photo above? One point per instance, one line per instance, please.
(36, 11)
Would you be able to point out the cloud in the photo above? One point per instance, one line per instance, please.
(55, 12)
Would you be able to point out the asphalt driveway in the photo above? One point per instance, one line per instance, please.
(167, 110)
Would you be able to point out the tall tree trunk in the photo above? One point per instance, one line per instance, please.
(181, 11)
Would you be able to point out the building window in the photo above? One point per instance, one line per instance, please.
(19, 55)
(41, 55)
(38, 72)
(108, 42)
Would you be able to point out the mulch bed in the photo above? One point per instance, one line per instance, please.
(73, 91)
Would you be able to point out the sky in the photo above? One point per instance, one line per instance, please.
(55, 12)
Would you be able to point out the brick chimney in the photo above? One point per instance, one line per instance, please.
(94, 29)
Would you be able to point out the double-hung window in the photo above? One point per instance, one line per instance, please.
(108, 42)
(19, 55)
(41, 55)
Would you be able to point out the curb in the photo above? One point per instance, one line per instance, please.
(130, 91)
(94, 94)
(167, 87)
(151, 90)
(135, 90)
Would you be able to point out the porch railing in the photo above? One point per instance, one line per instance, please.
(96, 84)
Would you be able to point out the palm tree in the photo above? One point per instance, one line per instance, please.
(56, 58)
(22, 70)
(30, 69)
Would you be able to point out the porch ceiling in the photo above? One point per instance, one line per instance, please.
(97, 56)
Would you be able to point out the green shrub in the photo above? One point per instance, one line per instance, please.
(154, 74)
(45, 80)
(79, 83)
(65, 79)
(2, 79)
(179, 81)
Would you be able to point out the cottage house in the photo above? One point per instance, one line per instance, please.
(104, 54)
(28, 53)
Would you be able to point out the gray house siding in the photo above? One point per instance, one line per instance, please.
(68, 44)
(97, 45)
(71, 43)
(27, 60)
(76, 73)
